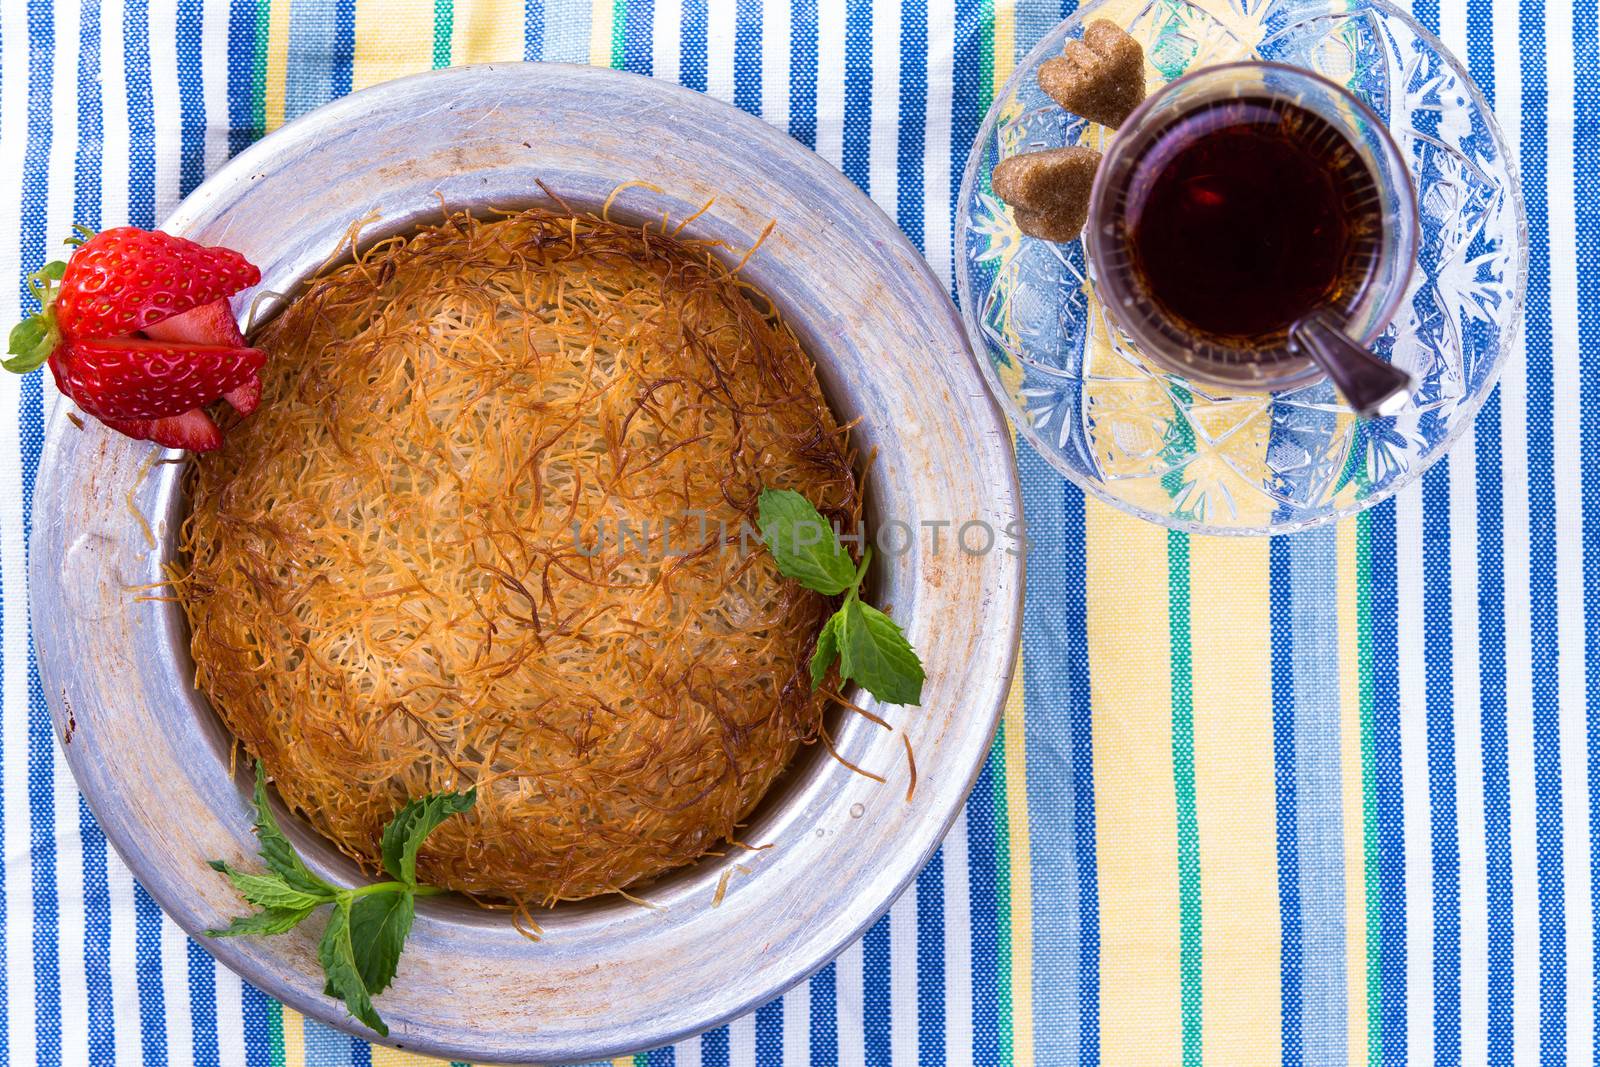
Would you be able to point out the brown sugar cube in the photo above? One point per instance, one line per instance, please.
(1100, 77)
(1049, 190)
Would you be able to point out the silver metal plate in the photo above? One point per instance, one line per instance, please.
(609, 977)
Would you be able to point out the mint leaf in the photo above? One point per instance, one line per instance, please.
(272, 891)
(379, 923)
(30, 344)
(337, 953)
(404, 835)
(367, 928)
(874, 652)
(802, 543)
(268, 921)
(276, 851)
(827, 649)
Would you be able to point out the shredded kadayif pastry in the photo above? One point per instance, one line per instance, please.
(387, 594)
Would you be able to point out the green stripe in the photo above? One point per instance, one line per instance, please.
(619, 34)
(1002, 898)
(997, 755)
(275, 1031)
(1369, 801)
(1189, 932)
(258, 73)
(444, 26)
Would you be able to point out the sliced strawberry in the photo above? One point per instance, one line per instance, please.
(193, 430)
(126, 279)
(209, 324)
(150, 385)
(134, 378)
(246, 397)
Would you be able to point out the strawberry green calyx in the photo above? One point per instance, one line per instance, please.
(35, 337)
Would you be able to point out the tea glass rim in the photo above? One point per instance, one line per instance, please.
(1116, 292)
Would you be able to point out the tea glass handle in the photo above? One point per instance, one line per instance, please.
(1369, 385)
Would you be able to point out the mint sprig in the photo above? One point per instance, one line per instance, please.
(870, 647)
(367, 928)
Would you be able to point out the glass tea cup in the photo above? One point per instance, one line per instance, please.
(1153, 161)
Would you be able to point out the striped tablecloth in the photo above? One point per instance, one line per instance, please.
(1326, 798)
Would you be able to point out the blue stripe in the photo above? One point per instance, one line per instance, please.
(637, 55)
(912, 127)
(858, 95)
(769, 1034)
(243, 21)
(982, 875)
(662, 1057)
(1586, 143)
(1501, 924)
(1439, 668)
(325, 1046)
(692, 46)
(360, 1053)
(747, 56)
(342, 66)
(930, 963)
(1319, 829)
(825, 1017)
(147, 920)
(875, 1008)
(1499, 903)
(966, 105)
(714, 1047)
(257, 1027)
(567, 25)
(203, 1004)
(308, 80)
(1542, 549)
(41, 739)
(1074, 609)
(1052, 692)
(191, 97)
(803, 72)
(101, 1020)
(1290, 966)
(1389, 801)
(533, 30)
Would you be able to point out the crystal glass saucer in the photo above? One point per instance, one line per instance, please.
(1192, 456)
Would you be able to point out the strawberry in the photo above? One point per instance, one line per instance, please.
(137, 378)
(211, 324)
(193, 430)
(137, 330)
(128, 279)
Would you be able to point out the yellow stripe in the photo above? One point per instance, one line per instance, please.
(393, 38)
(600, 33)
(1021, 876)
(1230, 639)
(1136, 811)
(1355, 860)
(1005, 41)
(388, 1057)
(277, 72)
(294, 1038)
(487, 31)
